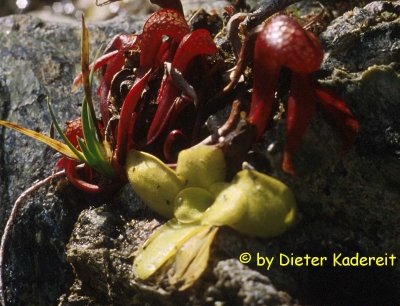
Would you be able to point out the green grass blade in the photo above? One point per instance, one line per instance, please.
(99, 165)
(62, 135)
(89, 132)
(93, 149)
(87, 75)
(90, 158)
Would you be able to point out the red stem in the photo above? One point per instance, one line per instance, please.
(199, 42)
(74, 179)
(5, 239)
(265, 83)
(340, 115)
(104, 59)
(300, 109)
(169, 4)
(114, 65)
(118, 44)
(172, 139)
(166, 97)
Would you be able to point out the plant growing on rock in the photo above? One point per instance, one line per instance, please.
(156, 91)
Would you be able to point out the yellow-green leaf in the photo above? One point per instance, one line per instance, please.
(228, 208)
(162, 246)
(191, 203)
(254, 204)
(201, 166)
(154, 182)
(192, 258)
(68, 143)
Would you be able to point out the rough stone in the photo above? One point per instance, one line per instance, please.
(348, 202)
(38, 62)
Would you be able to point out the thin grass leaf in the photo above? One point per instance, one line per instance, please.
(93, 149)
(87, 73)
(91, 160)
(85, 62)
(94, 162)
(89, 133)
(192, 259)
(89, 128)
(162, 247)
(62, 135)
(55, 144)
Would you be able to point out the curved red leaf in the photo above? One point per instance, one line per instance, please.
(166, 22)
(198, 42)
(127, 110)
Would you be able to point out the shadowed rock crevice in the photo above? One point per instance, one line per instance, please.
(4, 110)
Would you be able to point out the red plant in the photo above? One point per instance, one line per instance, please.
(166, 38)
(284, 43)
(147, 103)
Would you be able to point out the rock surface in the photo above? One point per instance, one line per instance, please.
(39, 61)
(349, 203)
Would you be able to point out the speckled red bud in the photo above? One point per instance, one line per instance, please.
(286, 43)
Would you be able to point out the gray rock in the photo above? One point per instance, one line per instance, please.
(39, 61)
(31, 71)
(242, 285)
(349, 203)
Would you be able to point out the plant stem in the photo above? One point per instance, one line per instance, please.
(267, 8)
